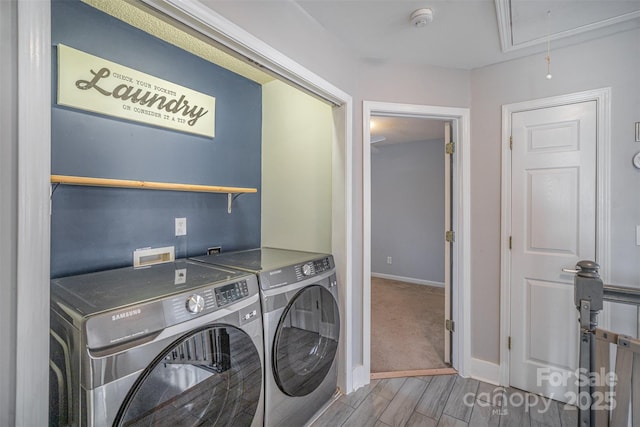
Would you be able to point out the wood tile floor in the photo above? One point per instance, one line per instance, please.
(444, 401)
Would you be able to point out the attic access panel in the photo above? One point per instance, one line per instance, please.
(530, 21)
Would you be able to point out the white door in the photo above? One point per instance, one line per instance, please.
(553, 196)
(448, 245)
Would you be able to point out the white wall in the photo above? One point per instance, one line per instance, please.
(296, 169)
(8, 210)
(613, 62)
(407, 210)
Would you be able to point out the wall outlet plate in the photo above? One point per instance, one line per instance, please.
(181, 226)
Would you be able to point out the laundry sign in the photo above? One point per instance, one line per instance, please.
(94, 84)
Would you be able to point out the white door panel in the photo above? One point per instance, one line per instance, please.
(553, 226)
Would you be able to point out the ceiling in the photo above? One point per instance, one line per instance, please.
(467, 34)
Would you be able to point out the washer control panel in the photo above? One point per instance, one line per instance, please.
(186, 306)
(230, 293)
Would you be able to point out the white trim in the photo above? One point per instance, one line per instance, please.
(603, 250)
(488, 372)
(408, 279)
(34, 170)
(460, 287)
(213, 25)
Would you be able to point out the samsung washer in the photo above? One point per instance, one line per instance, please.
(301, 329)
(172, 344)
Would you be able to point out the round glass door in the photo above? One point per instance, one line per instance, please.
(306, 341)
(211, 376)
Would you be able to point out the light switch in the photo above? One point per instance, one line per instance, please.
(637, 235)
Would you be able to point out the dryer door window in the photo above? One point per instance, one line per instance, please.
(306, 341)
(211, 376)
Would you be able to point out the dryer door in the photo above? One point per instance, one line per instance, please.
(306, 341)
(211, 376)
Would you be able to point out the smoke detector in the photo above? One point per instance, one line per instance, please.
(421, 17)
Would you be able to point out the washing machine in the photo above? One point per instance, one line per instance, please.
(301, 322)
(178, 343)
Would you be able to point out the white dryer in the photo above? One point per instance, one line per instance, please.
(301, 321)
(173, 344)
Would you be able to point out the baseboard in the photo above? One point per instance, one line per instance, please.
(408, 280)
(414, 373)
(485, 371)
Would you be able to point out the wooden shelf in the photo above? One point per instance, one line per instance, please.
(151, 185)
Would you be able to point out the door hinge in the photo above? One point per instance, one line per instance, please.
(510, 242)
(450, 236)
(509, 343)
(511, 143)
(450, 325)
(450, 148)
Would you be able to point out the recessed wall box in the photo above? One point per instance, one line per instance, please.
(150, 256)
(214, 250)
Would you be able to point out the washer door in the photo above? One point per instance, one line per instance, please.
(211, 376)
(306, 341)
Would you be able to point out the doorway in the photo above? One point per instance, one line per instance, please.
(459, 302)
(408, 213)
(555, 213)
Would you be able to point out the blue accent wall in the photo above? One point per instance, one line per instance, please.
(96, 228)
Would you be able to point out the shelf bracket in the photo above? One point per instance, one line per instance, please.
(230, 198)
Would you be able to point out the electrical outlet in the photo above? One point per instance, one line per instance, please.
(389, 260)
(214, 250)
(181, 226)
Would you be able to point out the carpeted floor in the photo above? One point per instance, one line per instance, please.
(406, 326)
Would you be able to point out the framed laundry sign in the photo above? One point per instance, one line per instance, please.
(94, 84)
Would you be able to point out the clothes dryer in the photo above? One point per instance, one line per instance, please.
(172, 344)
(301, 321)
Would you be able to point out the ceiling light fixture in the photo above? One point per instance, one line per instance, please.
(548, 57)
(421, 17)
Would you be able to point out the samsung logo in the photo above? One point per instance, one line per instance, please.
(126, 314)
(271, 273)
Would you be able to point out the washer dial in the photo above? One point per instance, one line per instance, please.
(195, 304)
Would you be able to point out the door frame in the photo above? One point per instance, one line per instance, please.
(602, 97)
(461, 223)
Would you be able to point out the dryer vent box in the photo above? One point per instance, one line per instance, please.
(150, 256)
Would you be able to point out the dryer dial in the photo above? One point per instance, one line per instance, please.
(195, 304)
(307, 269)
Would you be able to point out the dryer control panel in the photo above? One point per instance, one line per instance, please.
(312, 268)
(295, 273)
